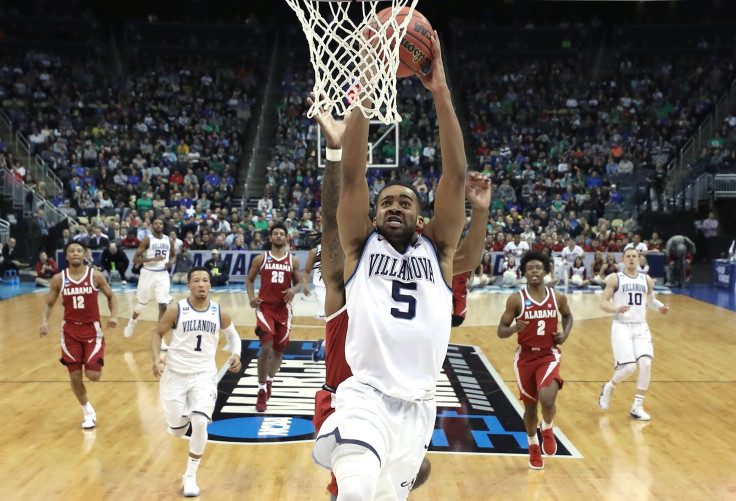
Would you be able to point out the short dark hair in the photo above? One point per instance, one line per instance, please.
(535, 256)
(74, 242)
(278, 226)
(198, 268)
(405, 185)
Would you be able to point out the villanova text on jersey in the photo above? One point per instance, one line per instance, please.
(634, 287)
(199, 325)
(409, 269)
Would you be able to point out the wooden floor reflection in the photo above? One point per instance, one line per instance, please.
(685, 452)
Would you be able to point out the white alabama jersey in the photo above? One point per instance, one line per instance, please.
(157, 247)
(400, 312)
(194, 339)
(631, 292)
(317, 277)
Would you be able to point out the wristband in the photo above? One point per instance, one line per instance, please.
(333, 154)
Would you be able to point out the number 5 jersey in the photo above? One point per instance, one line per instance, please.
(400, 311)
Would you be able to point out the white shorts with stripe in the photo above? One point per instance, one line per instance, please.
(630, 342)
(183, 394)
(154, 283)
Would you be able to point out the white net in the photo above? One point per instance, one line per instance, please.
(355, 58)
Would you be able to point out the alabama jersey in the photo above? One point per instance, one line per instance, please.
(276, 275)
(400, 312)
(540, 318)
(80, 298)
(157, 247)
(194, 339)
(631, 292)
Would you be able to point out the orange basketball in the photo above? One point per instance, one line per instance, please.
(415, 53)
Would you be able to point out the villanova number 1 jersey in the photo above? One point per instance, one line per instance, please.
(157, 247)
(631, 292)
(540, 318)
(400, 318)
(194, 339)
(80, 298)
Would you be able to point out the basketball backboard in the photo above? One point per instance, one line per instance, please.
(383, 146)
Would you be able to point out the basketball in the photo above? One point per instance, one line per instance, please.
(415, 52)
(577, 280)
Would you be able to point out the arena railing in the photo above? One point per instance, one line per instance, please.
(4, 231)
(37, 166)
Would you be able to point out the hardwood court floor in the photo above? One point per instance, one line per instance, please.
(686, 452)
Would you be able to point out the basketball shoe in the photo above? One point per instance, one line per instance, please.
(549, 444)
(128, 331)
(90, 417)
(164, 346)
(319, 352)
(535, 457)
(261, 401)
(637, 412)
(604, 400)
(190, 487)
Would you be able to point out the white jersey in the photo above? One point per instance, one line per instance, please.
(157, 247)
(317, 268)
(631, 292)
(194, 339)
(569, 255)
(516, 250)
(400, 312)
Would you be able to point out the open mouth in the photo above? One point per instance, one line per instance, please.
(394, 221)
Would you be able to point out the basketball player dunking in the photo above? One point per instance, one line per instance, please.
(82, 343)
(537, 359)
(632, 293)
(156, 254)
(188, 388)
(280, 281)
(397, 286)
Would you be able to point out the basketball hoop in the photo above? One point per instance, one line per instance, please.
(339, 46)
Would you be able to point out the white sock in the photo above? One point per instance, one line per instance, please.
(87, 409)
(638, 400)
(262, 386)
(546, 426)
(132, 321)
(533, 440)
(192, 465)
(269, 379)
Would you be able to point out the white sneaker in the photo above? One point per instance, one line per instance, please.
(128, 332)
(89, 421)
(189, 484)
(604, 400)
(164, 346)
(637, 412)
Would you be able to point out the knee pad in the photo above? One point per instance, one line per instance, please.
(645, 373)
(139, 308)
(357, 469)
(198, 439)
(623, 372)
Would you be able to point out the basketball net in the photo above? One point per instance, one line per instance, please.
(354, 65)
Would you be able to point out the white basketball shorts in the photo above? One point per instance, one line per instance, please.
(631, 341)
(182, 394)
(154, 283)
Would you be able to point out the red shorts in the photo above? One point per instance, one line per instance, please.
(82, 344)
(273, 324)
(536, 369)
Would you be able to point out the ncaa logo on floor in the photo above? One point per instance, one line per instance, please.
(476, 412)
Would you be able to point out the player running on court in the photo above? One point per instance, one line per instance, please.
(632, 293)
(537, 358)
(188, 388)
(82, 342)
(156, 254)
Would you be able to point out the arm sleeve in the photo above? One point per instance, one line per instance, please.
(233, 339)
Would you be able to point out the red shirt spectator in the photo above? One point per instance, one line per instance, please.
(176, 178)
(46, 267)
(130, 241)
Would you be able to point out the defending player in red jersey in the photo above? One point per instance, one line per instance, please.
(459, 298)
(82, 343)
(280, 281)
(537, 359)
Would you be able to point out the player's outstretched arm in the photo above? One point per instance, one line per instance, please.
(513, 308)
(48, 305)
(167, 322)
(449, 208)
(469, 252)
(566, 314)
(112, 302)
(352, 210)
(250, 280)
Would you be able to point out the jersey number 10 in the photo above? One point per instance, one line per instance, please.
(634, 299)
